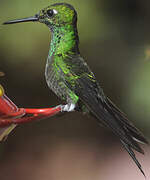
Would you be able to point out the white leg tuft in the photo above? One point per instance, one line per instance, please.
(68, 107)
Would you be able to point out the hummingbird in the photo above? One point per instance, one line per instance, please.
(70, 78)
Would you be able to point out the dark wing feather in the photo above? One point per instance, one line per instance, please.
(90, 93)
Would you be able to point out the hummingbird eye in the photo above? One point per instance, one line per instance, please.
(50, 13)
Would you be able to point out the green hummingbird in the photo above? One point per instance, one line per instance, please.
(71, 79)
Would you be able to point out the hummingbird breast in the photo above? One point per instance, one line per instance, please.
(56, 82)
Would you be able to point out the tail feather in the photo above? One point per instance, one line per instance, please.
(133, 131)
(134, 144)
(131, 153)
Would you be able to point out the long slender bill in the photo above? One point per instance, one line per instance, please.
(33, 18)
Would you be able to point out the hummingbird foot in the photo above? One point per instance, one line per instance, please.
(68, 107)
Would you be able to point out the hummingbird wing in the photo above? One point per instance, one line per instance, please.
(90, 93)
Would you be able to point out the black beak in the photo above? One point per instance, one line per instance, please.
(33, 18)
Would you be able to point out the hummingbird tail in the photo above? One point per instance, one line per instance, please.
(130, 128)
(4, 132)
(131, 136)
(132, 154)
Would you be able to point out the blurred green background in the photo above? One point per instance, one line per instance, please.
(115, 41)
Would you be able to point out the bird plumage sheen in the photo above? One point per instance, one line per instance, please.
(69, 76)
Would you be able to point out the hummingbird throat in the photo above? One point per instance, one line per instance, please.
(64, 41)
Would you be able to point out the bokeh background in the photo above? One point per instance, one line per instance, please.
(115, 41)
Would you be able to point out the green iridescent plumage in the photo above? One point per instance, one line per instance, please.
(64, 44)
(69, 76)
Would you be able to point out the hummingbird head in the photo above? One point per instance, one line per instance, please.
(56, 15)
